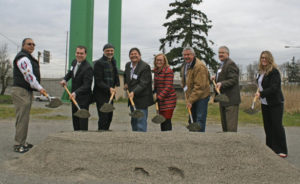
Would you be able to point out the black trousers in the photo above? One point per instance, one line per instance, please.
(275, 134)
(104, 118)
(80, 123)
(166, 125)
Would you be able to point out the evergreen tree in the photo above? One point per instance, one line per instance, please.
(188, 27)
(293, 71)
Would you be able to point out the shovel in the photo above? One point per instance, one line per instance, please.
(158, 119)
(108, 107)
(81, 113)
(251, 110)
(54, 102)
(192, 127)
(136, 113)
(220, 97)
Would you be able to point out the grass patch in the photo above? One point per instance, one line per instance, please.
(56, 117)
(9, 112)
(213, 115)
(5, 99)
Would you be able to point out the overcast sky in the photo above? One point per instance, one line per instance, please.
(246, 27)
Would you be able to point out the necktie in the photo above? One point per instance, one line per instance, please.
(76, 69)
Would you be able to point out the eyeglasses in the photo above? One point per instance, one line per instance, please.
(33, 44)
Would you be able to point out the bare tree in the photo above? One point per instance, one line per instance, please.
(5, 68)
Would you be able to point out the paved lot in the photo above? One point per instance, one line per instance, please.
(40, 129)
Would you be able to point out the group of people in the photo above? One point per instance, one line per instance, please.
(196, 82)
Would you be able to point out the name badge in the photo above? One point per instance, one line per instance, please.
(71, 68)
(185, 88)
(134, 76)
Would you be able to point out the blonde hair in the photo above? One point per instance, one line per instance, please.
(165, 59)
(270, 60)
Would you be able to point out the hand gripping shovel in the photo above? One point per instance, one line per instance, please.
(220, 97)
(54, 102)
(192, 127)
(136, 113)
(108, 107)
(251, 110)
(81, 113)
(158, 119)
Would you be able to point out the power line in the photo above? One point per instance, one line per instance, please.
(10, 41)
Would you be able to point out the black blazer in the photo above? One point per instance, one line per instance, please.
(271, 84)
(101, 89)
(229, 77)
(140, 84)
(81, 83)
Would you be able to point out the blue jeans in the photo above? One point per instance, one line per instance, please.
(139, 124)
(199, 112)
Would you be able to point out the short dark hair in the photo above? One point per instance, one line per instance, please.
(82, 47)
(108, 46)
(136, 49)
(24, 40)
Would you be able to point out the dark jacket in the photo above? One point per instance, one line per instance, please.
(81, 83)
(271, 84)
(105, 77)
(140, 84)
(18, 77)
(229, 77)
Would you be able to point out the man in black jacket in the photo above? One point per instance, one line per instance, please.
(81, 74)
(138, 80)
(106, 78)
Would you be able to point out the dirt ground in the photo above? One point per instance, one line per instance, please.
(122, 156)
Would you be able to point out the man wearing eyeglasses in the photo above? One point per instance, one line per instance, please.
(26, 79)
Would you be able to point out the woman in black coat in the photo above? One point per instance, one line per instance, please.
(272, 103)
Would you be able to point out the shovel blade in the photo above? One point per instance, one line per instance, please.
(136, 114)
(107, 108)
(54, 103)
(221, 98)
(158, 119)
(194, 127)
(82, 113)
(250, 111)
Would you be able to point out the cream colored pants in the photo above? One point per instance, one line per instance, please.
(22, 100)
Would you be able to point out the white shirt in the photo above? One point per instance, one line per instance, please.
(260, 79)
(25, 67)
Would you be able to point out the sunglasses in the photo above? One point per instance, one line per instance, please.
(33, 44)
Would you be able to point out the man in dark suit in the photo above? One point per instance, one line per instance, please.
(106, 78)
(81, 74)
(227, 79)
(138, 80)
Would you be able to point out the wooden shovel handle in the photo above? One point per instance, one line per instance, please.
(111, 97)
(217, 89)
(46, 95)
(73, 100)
(256, 97)
(131, 101)
(156, 106)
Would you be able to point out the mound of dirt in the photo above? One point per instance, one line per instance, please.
(155, 157)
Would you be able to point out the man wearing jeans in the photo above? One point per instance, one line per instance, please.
(196, 85)
(138, 81)
(26, 77)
